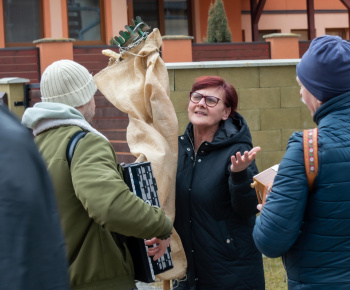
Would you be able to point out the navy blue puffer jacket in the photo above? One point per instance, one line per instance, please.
(215, 211)
(312, 229)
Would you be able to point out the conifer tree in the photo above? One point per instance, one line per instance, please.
(218, 30)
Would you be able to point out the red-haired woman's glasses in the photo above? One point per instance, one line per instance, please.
(210, 101)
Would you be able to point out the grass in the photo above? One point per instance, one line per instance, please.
(274, 274)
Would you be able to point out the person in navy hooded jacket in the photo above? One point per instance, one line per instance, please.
(311, 229)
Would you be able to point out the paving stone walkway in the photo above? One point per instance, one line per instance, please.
(146, 286)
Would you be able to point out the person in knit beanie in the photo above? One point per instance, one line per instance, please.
(324, 68)
(92, 197)
(309, 224)
(67, 82)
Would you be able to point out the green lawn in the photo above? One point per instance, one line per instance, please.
(274, 274)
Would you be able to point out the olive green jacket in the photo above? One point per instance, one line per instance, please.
(94, 200)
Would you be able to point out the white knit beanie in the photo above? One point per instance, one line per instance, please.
(67, 82)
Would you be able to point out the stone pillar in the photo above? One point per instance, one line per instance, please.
(283, 45)
(53, 49)
(177, 48)
(14, 88)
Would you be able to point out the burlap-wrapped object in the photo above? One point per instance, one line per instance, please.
(137, 83)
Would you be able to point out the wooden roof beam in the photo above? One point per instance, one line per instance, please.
(311, 19)
(347, 5)
(255, 13)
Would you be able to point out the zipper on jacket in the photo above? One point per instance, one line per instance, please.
(285, 269)
(195, 154)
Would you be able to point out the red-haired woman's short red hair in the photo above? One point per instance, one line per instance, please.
(230, 94)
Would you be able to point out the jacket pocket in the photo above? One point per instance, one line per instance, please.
(231, 247)
(243, 240)
(227, 245)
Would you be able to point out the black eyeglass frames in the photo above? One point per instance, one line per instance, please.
(210, 101)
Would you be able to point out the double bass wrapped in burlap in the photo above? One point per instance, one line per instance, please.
(137, 83)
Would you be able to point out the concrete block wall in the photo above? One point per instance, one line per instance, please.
(269, 100)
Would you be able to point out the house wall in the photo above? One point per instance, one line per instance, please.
(336, 16)
(2, 27)
(326, 4)
(53, 15)
(295, 4)
(119, 17)
(269, 100)
(331, 20)
(55, 18)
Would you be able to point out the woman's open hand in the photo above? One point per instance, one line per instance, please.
(239, 162)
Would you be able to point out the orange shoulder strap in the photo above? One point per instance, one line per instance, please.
(310, 154)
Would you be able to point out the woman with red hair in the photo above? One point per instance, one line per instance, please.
(215, 205)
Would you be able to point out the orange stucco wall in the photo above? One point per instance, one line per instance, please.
(233, 13)
(108, 20)
(326, 4)
(295, 4)
(53, 51)
(285, 23)
(245, 4)
(197, 19)
(2, 28)
(285, 5)
(55, 23)
(64, 19)
(46, 19)
(284, 47)
(119, 17)
(177, 50)
(203, 14)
